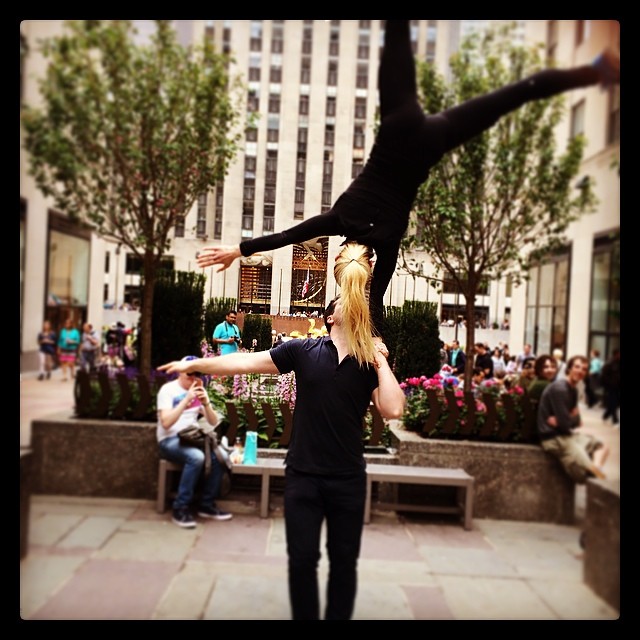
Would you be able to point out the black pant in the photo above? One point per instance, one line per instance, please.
(309, 500)
(611, 403)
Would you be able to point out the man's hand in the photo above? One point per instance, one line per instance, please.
(177, 366)
(223, 256)
(552, 422)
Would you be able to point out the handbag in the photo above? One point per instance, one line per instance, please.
(205, 439)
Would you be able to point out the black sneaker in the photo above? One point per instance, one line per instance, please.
(183, 518)
(41, 376)
(214, 513)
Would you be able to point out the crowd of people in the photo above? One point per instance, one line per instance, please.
(85, 348)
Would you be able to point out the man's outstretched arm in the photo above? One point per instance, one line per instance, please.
(231, 364)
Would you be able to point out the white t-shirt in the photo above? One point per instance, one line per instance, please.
(170, 395)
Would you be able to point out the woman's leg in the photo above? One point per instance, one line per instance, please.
(386, 260)
(474, 116)
(397, 70)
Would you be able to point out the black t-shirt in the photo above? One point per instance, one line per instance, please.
(484, 361)
(331, 400)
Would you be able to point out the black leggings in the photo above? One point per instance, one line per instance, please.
(422, 139)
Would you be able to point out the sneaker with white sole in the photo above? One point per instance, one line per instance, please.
(214, 513)
(183, 518)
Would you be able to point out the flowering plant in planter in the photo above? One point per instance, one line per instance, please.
(440, 407)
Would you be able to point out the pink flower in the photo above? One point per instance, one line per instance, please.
(519, 390)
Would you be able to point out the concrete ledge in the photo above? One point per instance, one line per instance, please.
(107, 458)
(512, 481)
(26, 466)
(103, 458)
(602, 540)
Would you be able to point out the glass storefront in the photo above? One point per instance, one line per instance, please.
(604, 320)
(547, 300)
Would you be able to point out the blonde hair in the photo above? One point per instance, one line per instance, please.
(353, 274)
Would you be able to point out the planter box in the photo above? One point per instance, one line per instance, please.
(512, 481)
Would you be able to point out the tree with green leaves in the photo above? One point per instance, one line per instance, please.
(129, 135)
(502, 201)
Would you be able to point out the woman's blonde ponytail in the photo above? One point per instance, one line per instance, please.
(353, 274)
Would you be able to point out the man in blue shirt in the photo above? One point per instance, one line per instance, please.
(227, 335)
(325, 474)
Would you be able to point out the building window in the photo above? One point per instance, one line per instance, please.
(581, 31)
(361, 109)
(274, 103)
(334, 41)
(331, 106)
(332, 73)
(178, 230)
(329, 135)
(358, 136)
(307, 40)
(309, 276)
(275, 75)
(67, 272)
(303, 108)
(305, 70)
(250, 167)
(253, 101)
(255, 288)
(277, 42)
(201, 224)
(268, 217)
(552, 39)
(251, 134)
(271, 170)
(613, 127)
(356, 169)
(604, 319)
(547, 305)
(362, 76)
(217, 220)
(577, 119)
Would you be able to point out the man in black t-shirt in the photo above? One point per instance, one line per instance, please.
(484, 360)
(325, 474)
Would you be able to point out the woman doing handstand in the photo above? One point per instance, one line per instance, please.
(374, 210)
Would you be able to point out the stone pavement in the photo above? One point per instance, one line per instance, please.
(109, 559)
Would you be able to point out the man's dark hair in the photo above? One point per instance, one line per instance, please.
(329, 311)
(575, 359)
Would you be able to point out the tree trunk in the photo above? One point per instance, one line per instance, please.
(148, 286)
(470, 306)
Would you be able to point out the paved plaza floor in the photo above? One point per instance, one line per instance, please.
(113, 559)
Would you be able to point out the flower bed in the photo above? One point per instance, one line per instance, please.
(438, 408)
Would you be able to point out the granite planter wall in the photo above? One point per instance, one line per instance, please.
(102, 458)
(512, 481)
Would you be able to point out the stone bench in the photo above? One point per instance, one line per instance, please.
(402, 474)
